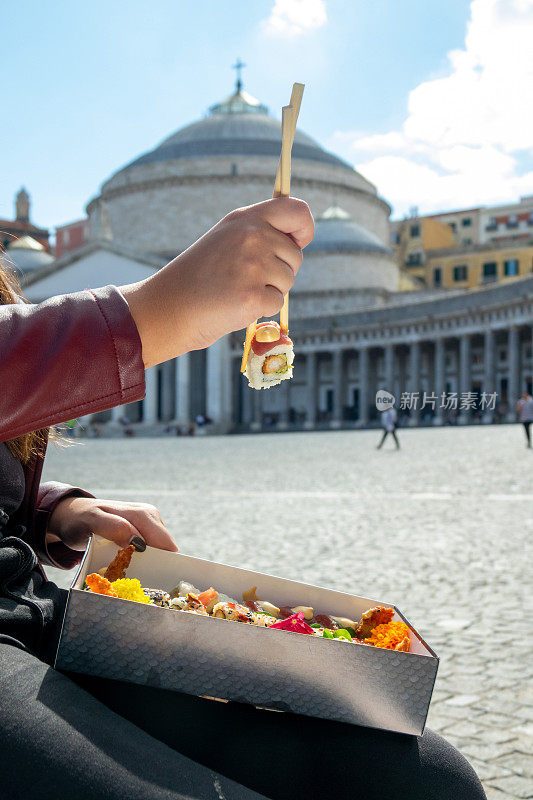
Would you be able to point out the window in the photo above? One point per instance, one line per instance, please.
(414, 231)
(460, 273)
(395, 237)
(466, 222)
(510, 267)
(530, 218)
(490, 271)
(437, 276)
(503, 354)
(493, 225)
(414, 259)
(453, 226)
(512, 221)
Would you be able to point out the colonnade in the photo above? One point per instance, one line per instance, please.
(335, 382)
(465, 365)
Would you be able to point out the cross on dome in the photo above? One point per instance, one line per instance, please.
(240, 102)
(238, 67)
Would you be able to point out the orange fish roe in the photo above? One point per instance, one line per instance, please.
(391, 636)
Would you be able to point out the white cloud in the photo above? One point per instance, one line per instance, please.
(294, 17)
(466, 136)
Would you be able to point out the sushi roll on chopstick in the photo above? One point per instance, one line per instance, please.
(270, 358)
(268, 355)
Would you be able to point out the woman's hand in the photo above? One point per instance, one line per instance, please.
(74, 518)
(238, 271)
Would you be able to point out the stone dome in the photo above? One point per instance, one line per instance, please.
(162, 201)
(337, 232)
(28, 255)
(240, 125)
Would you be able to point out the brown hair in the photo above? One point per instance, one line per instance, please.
(30, 444)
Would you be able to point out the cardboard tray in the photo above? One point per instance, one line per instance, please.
(115, 638)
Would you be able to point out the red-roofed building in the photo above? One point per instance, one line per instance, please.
(71, 236)
(11, 229)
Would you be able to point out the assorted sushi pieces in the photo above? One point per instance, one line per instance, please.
(376, 627)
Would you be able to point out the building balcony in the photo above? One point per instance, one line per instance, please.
(511, 224)
(491, 227)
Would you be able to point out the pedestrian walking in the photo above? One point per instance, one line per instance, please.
(389, 418)
(524, 409)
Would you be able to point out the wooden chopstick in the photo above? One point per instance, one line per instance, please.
(282, 188)
(295, 103)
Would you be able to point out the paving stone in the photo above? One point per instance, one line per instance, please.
(462, 700)
(490, 752)
(465, 729)
(517, 762)
(486, 771)
(514, 785)
(496, 794)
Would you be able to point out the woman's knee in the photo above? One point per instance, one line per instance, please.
(447, 771)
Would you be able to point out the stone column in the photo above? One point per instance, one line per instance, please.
(166, 391)
(218, 401)
(414, 381)
(513, 381)
(440, 381)
(338, 389)
(489, 362)
(182, 390)
(363, 386)
(116, 414)
(284, 391)
(257, 409)
(247, 398)
(465, 379)
(389, 368)
(150, 399)
(312, 389)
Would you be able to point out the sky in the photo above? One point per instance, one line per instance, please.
(431, 101)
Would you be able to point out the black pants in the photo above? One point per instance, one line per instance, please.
(528, 434)
(94, 739)
(385, 434)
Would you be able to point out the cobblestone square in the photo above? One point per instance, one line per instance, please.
(442, 528)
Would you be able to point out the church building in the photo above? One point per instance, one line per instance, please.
(357, 322)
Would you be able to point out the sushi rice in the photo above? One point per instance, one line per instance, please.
(254, 368)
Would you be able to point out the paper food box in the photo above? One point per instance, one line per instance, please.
(124, 640)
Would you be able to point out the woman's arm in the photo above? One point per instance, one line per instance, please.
(85, 352)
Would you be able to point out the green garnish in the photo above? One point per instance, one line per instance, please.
(327, 634)
(342, 633)
(315, 625)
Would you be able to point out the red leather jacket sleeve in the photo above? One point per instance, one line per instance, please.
(72, 355)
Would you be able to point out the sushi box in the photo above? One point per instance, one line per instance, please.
(124, 640)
